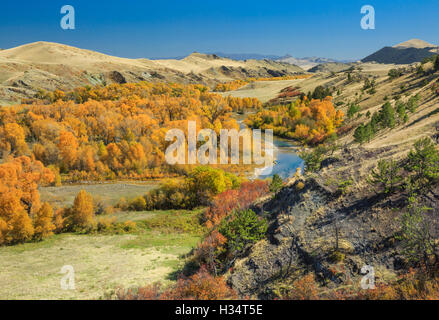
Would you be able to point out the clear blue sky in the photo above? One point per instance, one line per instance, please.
(163, 28)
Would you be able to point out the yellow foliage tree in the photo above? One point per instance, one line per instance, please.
(19, 198)
(42, 221)
(81, 215)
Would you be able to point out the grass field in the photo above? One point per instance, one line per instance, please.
(109, 193)
(102, 263)
(262, 90)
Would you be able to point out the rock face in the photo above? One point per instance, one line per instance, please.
(306, 219)
(283, 250)
(117, 77)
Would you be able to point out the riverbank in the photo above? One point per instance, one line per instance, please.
(286, 156)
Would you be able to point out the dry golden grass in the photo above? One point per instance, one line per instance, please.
(108, 193)
(101, 264)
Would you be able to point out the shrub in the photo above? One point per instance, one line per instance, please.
(343, 186)
(304, 288)
(200, 286)
(386, 175)
(129, 226)
(423, 162)
(105, 224)
(411, 286)
(138, 204)
(353, 109)
(394, 73)
(149, 292)
(299, 186)
(208, 251)
(276, 183)
(242, 228)
(197, 189)
(226, 202)
(313, 159)
(419, 237)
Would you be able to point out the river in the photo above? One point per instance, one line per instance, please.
(287, 160)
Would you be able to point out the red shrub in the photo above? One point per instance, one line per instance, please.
(305, 288)
(200, 286)
(230, 200)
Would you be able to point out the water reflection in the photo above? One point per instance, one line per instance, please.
(287, 160)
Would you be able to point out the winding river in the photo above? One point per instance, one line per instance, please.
(287, 160)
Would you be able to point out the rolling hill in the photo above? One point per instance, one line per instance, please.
(411, 51)
(330, 67)
(49, 66)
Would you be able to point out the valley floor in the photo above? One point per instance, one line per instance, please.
(102, 263)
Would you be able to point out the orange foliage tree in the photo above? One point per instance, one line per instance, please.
(116, 131)
(307, 121)
(12, 139)
(43, 222)
(20, 200)
(81, 216)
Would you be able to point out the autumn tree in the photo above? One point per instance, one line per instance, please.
(81, 215)
(68, 149)
(19, 197)
(307, 121)
(15, 224)
(43, 222)
(13, 139)
(113, 131)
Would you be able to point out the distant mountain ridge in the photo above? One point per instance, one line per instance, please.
(305, 63)
(414, 50)
(232, 56)
(247, 56)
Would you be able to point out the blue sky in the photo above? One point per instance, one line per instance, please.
(151, 29)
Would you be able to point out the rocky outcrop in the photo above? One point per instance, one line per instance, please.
(311, 229)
